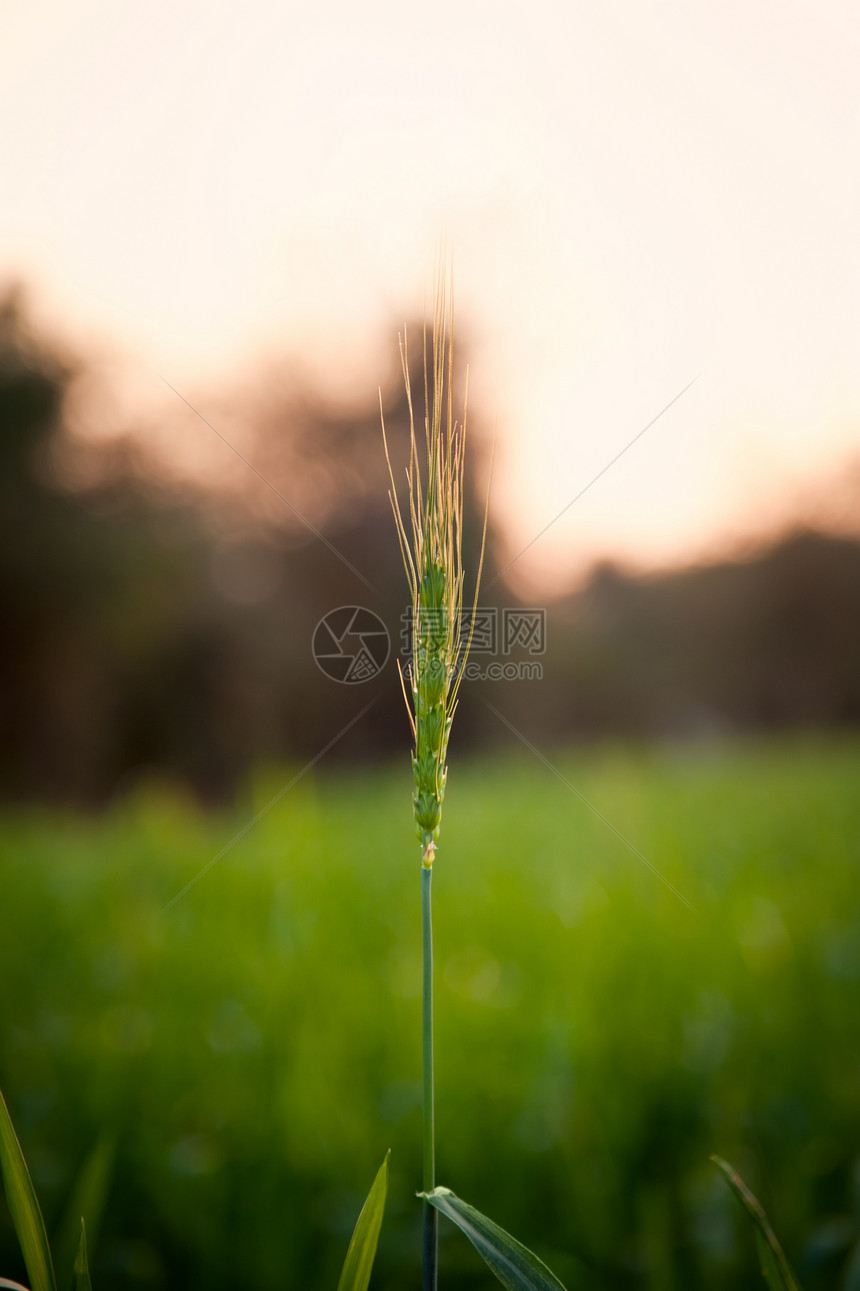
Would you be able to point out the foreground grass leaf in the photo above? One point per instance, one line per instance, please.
(355, 1274)
(516, 1267)
(24, 1207)
(82, 1269)
(775, 1268)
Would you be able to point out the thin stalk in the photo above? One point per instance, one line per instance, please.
(431, 1215)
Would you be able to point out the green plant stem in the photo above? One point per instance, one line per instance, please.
(431, 1217)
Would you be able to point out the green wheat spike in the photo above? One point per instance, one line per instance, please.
(432, 555)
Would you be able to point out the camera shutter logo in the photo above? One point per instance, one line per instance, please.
(350, 644)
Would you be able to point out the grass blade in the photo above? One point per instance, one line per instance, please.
(88, 1197)
(516, 1267)
(24, 1207)
(355, 1274)
(82, 1269)
(775, 1268)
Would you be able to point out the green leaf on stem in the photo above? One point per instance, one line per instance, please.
(516, 1267)
(24, 1207)
(775, 1268)
(357, 1266)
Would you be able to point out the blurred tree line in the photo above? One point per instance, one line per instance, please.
(153, 629)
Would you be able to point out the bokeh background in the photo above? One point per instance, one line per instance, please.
(215, 223)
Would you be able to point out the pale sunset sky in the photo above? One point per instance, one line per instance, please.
(637, 195)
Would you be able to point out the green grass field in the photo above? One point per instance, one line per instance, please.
(252, 1051)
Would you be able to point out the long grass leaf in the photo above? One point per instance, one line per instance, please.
(775, 1268)
(516, 1267)
(82, 1268)
(24, 1207)
(357, 1266)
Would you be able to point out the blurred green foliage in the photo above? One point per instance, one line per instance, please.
(255, 1048)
